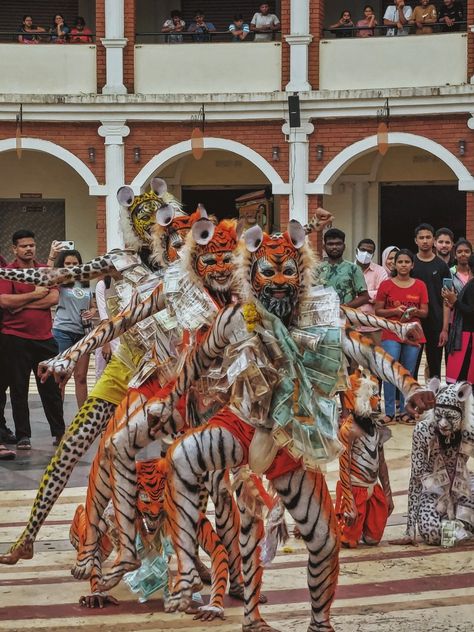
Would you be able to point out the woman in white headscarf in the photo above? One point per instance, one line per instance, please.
(388, 258)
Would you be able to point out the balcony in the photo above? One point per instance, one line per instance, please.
(199, 68)
(48, 69)
(393, 62)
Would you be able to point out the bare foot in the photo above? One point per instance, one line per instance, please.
(97, 600)
(82, 569)
(406, 539)
(22, 550)
(258, 626)
(209, 613)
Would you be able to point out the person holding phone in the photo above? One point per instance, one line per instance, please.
(74, 312)
(343, 27)
(404, 299)
(459, 348)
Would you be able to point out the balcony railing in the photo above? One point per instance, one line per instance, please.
(207, 67)
(393, 62)
(48, 69)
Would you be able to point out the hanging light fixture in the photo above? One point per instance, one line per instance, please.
(275, 154)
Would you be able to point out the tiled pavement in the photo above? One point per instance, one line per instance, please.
(382, 589)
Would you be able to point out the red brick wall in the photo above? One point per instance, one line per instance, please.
(76, 137)
(470, 216)
(336, 135)
(101, 226)
(154, 137)
(129, 50)
(316, 23)
(100, 31)
(285, 49)
(470, 41)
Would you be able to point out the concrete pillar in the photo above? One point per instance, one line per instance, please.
(113, 132)
(298, 168)
(114, 43)
(299, 40)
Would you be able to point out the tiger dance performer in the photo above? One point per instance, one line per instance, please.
(212, 271)
(279, 272)
(151, 526)
(441, 486)
(138, 223)
(362, 505)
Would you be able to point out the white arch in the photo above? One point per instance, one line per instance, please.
(47, 147)
(170, 154)
(330, 173)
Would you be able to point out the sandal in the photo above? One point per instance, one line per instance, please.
(6, 454)
(406, 420)
(24, 444)
(388, 420)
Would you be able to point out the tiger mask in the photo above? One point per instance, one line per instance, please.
(170, 231)
(140, 211)
(277, 268)
(210, 255)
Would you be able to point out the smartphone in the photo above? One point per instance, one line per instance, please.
(67, 245)
(448, 283)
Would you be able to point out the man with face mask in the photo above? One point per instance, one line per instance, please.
(373, 275)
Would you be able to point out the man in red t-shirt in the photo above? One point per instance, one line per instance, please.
(27, 340)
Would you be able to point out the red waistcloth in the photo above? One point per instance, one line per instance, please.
(243, 432)
(372, 515)
(153, 389)
(33, 324)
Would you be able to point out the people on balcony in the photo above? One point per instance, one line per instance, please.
(264, 23)
(368, 23)
(424, 16)
(343, 27)
(80, 33)
(28, 30)
(397, 16)
(175, 26)
(451, 14)
(59, 31)
(201, 28)
(239, 28)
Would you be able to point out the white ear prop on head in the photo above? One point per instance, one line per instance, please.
(203, 231)
(463, 391)
(296, 233)
(253, 238)
(434, 384)
(158, 186)
(202, 211)
(125, 196)
(165, 215)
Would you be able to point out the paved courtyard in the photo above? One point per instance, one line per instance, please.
(383, 589)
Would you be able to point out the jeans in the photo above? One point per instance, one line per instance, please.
(66, 339)
(407, 355)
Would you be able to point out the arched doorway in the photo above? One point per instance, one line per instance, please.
(227, 171)
(51, 196)
(385, 197)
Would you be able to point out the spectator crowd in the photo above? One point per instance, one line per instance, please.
(58, 33)
(401, 19)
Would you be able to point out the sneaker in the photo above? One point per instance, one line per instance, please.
(7, 436)
(24, 444)
(57, 440)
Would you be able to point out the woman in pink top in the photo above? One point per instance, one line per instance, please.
(368, 24)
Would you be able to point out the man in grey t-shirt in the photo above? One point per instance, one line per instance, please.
(264, 24)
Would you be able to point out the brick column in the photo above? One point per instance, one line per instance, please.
(285, 48)
(101, 226)
(316, 23)
(470, 216)
(470, 42)
(129, 51)
(100, 50)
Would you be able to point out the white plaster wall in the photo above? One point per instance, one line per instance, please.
(51, 69)
(198, 68)
(36, 172)
(393, 62)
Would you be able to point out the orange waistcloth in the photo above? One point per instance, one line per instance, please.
(243, 432)
(372, 515)
(152, 388)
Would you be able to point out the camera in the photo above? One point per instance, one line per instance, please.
(67, 245)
